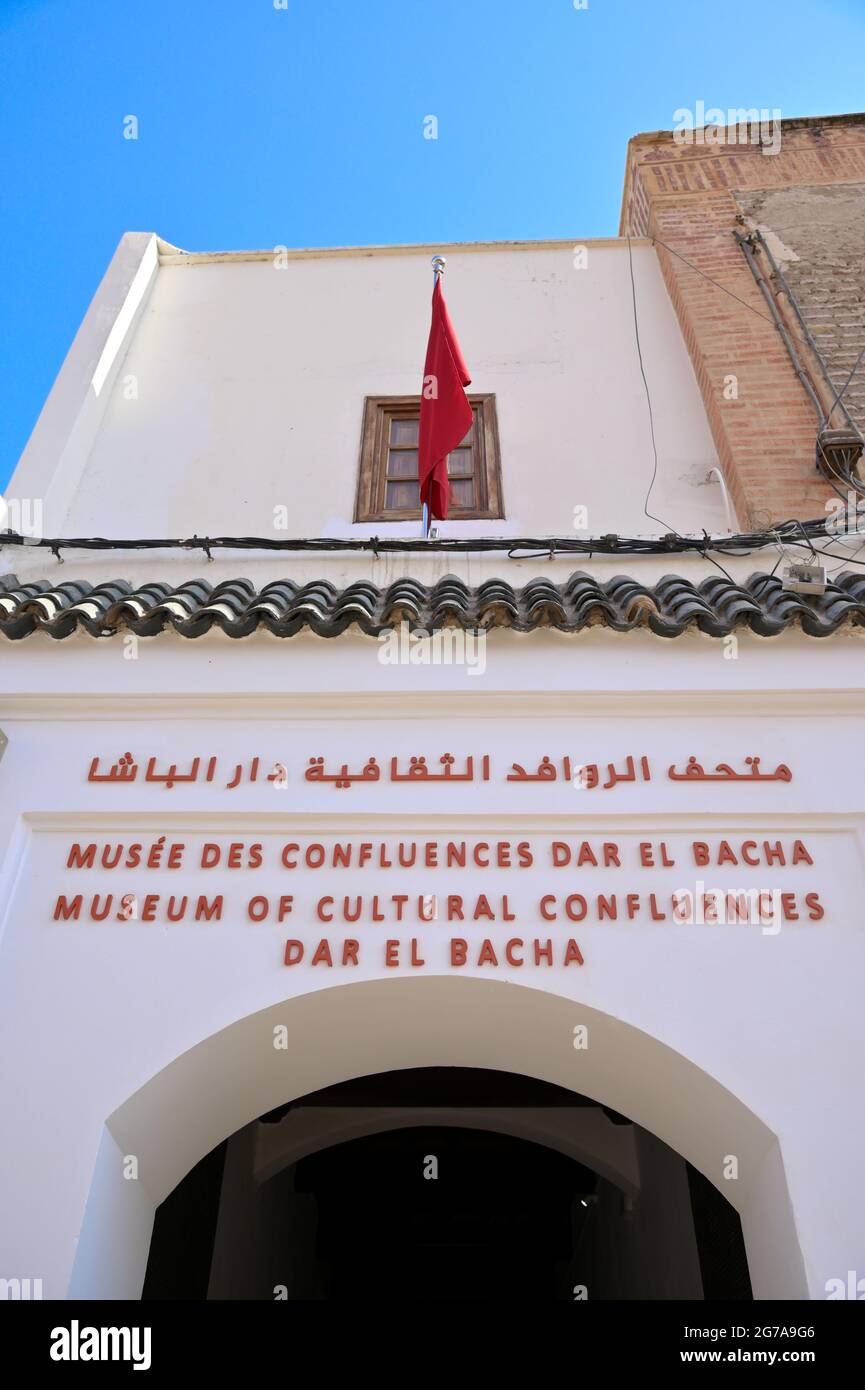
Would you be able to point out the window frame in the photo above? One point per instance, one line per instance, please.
(378, 411)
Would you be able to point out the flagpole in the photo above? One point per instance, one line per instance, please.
(438, 265)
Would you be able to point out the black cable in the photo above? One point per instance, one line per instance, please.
(847, 382)
(649, 514)
(716, 283)
(610, 544)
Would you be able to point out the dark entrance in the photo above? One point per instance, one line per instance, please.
(304, 1204)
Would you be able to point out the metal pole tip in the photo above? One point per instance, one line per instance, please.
(438, 265)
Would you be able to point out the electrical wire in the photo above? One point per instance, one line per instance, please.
(843, 390)
(716, 283)
(743, 543)
(646, 511)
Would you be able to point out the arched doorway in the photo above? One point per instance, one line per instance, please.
(445, 1184)
(333, 1035)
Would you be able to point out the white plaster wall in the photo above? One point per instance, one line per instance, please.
(250, 388)
(240, 388)
(88, 1013)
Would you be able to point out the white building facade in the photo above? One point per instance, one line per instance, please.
(259, 838)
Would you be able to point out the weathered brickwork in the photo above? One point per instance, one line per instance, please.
(692, 198)
(816, 235)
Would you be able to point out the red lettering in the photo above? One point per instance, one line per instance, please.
(486, 955)
(64, 909)
(509, 952)
(322, 955)
(81, 858)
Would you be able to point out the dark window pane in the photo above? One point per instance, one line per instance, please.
(462, 492)
(403, 431)
(468, 438)
(402, 463)
(460, 463)
(402, 495)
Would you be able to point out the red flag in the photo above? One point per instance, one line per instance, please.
(445, 414)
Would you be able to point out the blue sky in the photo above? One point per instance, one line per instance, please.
(303, 126)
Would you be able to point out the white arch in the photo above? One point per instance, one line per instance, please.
(355, 1030)
(585, 1135)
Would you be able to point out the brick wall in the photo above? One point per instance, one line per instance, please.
(692, 198)
(816, 235)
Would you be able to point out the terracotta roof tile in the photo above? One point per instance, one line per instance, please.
(716, 606)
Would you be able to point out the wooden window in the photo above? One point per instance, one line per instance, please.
(388, 487)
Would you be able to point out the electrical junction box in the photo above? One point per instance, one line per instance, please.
(805, 579)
